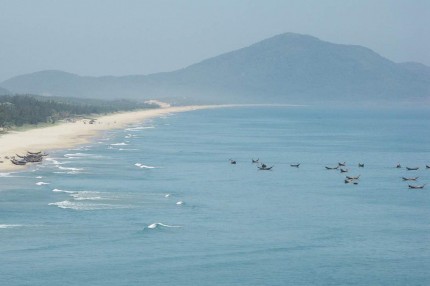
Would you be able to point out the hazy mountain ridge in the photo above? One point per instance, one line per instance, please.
(4, 91)
(288, 68)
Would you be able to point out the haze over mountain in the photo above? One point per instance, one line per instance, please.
(288, 68)
(4, 91)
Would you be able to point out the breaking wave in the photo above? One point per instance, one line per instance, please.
(80, 155)
(10, 225)
(119, 144)
(140, 165)
(138, 128)
(157, 224)
(41, 183)
(84, 206)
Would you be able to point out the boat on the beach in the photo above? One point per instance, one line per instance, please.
(30, 157)
(18, 162)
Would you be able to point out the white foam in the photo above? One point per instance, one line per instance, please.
(39, 177)
(10, 225)
(127, 149)
(179, 203)
(140, 165)
(167, 195)
(41, 183)
(74, 155)
(84, 206)
(155, 225)
(62, 191)
(119, 144)
(70, 168)
(86, 195)
(138, 128)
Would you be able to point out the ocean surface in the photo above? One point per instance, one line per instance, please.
(159, 203)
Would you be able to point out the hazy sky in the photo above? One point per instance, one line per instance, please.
(106, 37)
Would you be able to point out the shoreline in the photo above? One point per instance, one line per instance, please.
(68, 134)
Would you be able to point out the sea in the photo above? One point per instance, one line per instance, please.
(159, 202)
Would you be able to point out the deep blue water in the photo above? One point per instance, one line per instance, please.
(95, 221)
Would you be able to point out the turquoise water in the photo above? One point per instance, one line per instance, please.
(160, 204)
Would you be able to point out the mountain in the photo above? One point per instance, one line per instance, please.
(4, 91)
(288, 68)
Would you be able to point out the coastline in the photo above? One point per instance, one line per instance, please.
(67, 135)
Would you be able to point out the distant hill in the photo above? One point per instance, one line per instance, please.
(288, 68)
(4, 91)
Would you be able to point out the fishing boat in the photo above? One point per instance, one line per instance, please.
(353, 177)
(18, 162)
(416, 186)
(265, 168)
(412, 169)
(332, 168)
(409, 179)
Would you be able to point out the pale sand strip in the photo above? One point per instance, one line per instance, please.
(67, 135)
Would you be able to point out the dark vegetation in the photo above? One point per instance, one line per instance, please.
(18, 110)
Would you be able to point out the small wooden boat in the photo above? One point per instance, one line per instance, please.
(233, 162)
(353, 178)
(427, 167)
(18, 162)
(342, 164)
(398, 166)
(361, 165)
(342, 170)
(295, 165)
(409, 179)
(412, 169)
(416, 186)
(347, 181)
(265, 168)
(34, 153)
(255, 161)
(332, 168)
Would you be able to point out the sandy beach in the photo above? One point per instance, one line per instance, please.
(66, 135)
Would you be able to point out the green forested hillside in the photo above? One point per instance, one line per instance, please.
(18, 110)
